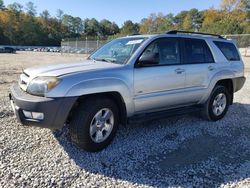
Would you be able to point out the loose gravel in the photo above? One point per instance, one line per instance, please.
(183, 151)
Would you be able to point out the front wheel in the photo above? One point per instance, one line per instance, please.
(94, 124)
(217, 105)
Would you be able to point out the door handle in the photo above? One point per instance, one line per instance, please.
(211, 68)
(179, 71)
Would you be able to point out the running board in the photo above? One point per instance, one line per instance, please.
(163, 114)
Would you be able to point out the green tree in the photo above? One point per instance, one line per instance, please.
(91, 27)
(59, 14)
(32, 31)
(157, 23)
(108, 28)
(77, 25)
(74, 25)
(3, 38)
(31, 9)
(1, 5)
(197, 18)
(105, 27)
(25, 28)
(45, 15)
(129, 28)
(188, 22)
(114, 28)
(169, 22)
(68, 22)
(230, 5)
(179, 19)
(15, 7)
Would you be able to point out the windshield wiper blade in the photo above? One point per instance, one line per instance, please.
(105, 60)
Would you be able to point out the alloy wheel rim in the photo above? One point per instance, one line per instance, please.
(219, 104)
(101, 125)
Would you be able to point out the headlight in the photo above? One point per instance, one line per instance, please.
(42, 85)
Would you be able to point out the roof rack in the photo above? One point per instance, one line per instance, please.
(173, 32)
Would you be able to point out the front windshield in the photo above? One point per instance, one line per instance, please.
(118, 51)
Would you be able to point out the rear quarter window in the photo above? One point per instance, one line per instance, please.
(229, 50)
(196, 51)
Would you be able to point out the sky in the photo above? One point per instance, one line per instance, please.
(118, 10)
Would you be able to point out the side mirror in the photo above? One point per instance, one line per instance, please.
(148, 59)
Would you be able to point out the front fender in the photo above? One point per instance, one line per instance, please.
(103, 85)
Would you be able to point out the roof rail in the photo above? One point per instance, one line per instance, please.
(173, 32)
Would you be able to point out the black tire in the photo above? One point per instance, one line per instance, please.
(207, 112)
(81, 121)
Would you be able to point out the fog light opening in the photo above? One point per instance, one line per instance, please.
(27, 114)
(33, 115)
(37, 115)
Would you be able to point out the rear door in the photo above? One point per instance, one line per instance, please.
(199, 64)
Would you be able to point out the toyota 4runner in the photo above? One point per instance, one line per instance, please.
(129, 79)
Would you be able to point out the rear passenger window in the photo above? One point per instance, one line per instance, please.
(229, 50)
(196, 51)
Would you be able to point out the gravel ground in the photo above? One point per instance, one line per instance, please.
(181, 151)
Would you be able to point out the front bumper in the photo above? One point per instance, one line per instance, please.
(55, 110)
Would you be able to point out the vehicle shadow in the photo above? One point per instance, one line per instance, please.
(177, 151)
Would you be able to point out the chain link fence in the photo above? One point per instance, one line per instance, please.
(243, 43)
(80, 46)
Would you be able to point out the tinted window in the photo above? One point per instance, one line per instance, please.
(229, 50)
(166, 50)
(197, 51)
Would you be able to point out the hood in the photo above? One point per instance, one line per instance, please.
(68, 68)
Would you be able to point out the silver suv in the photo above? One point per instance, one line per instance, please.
(130, 79)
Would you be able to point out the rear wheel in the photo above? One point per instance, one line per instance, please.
(94, 124)
(217, 105)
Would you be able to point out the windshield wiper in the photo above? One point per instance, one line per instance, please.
(105, 60)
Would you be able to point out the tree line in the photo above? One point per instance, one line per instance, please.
(22, 25)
